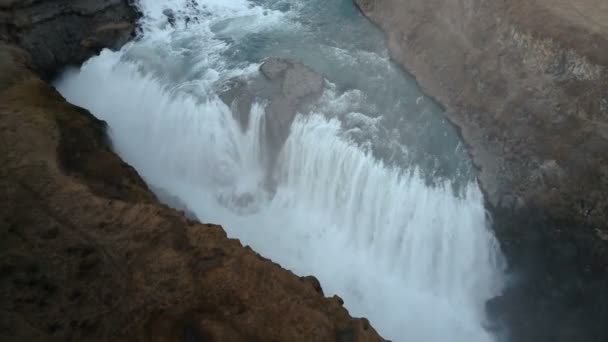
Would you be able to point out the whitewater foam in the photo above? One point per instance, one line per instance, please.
(418, 260)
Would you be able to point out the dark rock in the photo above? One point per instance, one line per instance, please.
(346, 335)
(238, 96)
(288, 86)
(314, 282)
(63, 32)
(50, 233)
(510, 201)
(552, 173)
(174, 202)
(170, 16)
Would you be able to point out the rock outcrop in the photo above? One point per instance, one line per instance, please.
(297, 84)
(526, 81)
(87, 252)
(288, 86)
(63, 32)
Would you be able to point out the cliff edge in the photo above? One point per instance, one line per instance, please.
(65, 32)
(87, 253)
(526, 81)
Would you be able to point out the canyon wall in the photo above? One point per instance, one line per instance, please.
(87, 252)
(526, 82)
(65, 32)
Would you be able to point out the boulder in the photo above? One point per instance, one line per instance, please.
(88, 253)
(296, 86)
(289, 87)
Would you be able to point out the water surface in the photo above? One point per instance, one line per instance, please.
(375, 195)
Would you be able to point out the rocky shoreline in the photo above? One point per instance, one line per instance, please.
(526, 82)
(88, 252)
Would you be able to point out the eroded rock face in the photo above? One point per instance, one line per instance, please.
(65, 32)
(527, 83)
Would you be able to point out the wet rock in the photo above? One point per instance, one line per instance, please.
(174, 202)
(288, 87)
(274, 68)
(237, 94)
(297, 85)
(603, 235)
(510, 201)
(297, 80)
(552, 172)
(63, 32)
(170, 14)
(280, 114)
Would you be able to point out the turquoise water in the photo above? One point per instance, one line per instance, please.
(336, 40)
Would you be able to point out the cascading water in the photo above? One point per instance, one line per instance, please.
(374, 195)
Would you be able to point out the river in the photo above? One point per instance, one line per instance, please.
(375, 194)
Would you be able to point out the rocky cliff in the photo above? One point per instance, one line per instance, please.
(87, 253)
(526, 81)
(62, 32)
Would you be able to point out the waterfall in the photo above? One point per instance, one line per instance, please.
(418, 260)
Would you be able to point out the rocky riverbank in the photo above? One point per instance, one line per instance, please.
(87, 251)
(527, 84)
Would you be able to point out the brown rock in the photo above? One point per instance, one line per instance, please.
(314, 282)
(88, 254)
(527, 84)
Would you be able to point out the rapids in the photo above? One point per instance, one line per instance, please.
(375, 195)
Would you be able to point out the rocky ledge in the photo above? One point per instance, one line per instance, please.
(63, 32)
(526, 81)
(87, 252)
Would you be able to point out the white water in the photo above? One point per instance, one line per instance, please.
(418, 261)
